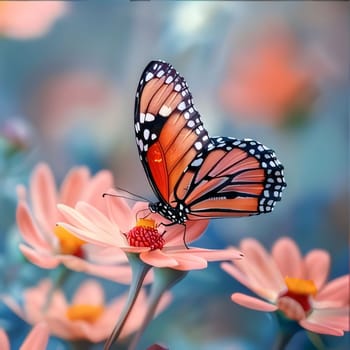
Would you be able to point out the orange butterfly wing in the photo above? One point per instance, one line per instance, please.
(169, 132)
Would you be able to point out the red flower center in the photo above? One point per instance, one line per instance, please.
(295, 302)
(145, 234)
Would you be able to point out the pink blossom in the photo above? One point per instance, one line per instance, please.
(160, 250)
(37, 338)
(293, 284)
(29, 19)
(87, 316)
(267, 79)
(46, 244)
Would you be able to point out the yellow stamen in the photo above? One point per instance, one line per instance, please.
(301, 286)
(146, 223)
(84, 312)
(69, 243)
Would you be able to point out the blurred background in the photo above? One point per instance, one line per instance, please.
(277, 72)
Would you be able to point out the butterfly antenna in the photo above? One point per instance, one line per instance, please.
(132, 196)
(142, 210)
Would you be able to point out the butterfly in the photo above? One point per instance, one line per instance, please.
(195, 176)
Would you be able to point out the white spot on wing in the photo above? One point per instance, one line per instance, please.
(181, 106)
(165, 111)
(149, 76)
(169, 79)
(149, 117)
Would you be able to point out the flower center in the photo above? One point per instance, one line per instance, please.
(145, 234)
(69, 244)
(84, 312)
(295, 303)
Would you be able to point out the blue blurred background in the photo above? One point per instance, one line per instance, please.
(277, 72)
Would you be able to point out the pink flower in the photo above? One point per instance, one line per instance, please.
(29, 19)
(268, 80)
(86, 317)
(159, 250)
(48, 245)
(37, 338)
(293, 284)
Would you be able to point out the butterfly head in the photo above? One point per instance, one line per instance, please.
(175, 215)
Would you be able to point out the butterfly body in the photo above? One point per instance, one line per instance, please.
(195, 176)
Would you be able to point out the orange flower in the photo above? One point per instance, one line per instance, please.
(294, 285)
(29, 19)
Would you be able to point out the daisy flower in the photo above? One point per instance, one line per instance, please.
(297, 286)
(120, 228)
(87, 316)
(48, 245)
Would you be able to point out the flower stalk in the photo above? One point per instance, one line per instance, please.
(139, 272)
(164, 279)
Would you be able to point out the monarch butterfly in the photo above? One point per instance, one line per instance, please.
(195, 176)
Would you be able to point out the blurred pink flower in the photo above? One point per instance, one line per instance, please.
(294, 285)
(88, 316)
(268, 80)
(159, 250)
(29, 19)
(48, 245)
(37, 338)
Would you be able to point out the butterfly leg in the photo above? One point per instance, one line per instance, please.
(184, 233)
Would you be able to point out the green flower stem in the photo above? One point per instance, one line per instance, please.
(288, 328)
(61, 274)
(139, 272)
(164, 279)
(316, 341)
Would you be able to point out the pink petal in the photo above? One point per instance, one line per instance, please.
(73, 186)
(176, 234)
(4, 340)
(336, 290)
(319, 328)
(252, 303)
(158, 259)
(119, 212)
(187, 261)
(333, 318)
(259, 266)
(37, 338)
(13, 306)
(42, 259)
(211, 254)
(104, 255)
(44, 197)
(96, 217)
(98, 185)
(61, 327)
(84, 227)
(288, 258)
(157, 347)
(120, 274)
(29, 230)
(21, 193)
(237, 274)
(89, 292)
(317, 264)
